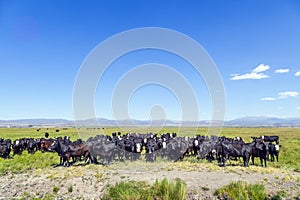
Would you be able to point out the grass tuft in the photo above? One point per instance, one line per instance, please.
(242, 191)
(137, 190)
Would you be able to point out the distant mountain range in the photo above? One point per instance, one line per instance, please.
(240, 122)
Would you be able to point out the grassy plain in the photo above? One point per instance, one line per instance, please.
(289, 157)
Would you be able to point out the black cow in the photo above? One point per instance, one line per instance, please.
(177, 148)
(264, 138)
(17, 147)
(31, 145)
(102, 151)
(272, 138)
(274, 151)
(67, 150)
(260, 150)
(5, 148)
(207, 150)
(236, 150)
(151, 149)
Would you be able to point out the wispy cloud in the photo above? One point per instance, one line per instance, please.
(254, 74)
(268, 99)
(281, 95)
(281, 71)
(298, 108)
(297, 73)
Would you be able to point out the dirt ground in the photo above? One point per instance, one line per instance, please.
(90, 182)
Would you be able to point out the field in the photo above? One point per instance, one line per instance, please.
(36, 176)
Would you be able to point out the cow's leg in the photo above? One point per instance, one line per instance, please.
(246, 161)
(252, 158)
(276, 155)
(60, 160)
(68, 161)
(224, 161)
(265, 160)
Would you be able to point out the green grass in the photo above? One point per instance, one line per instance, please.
(25, 162)
(288, 157)
(242, 191)
(137, 190)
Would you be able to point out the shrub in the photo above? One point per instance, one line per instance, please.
(169, 189)
(242, 191)
(137, 190)
(127, 190)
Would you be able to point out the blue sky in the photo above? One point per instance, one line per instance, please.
(43, 44)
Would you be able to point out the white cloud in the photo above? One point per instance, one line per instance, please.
(283, 95)
(297, 73)
(249, 76)
(268, 99)
(261, 68)
(281, 71)
(254, 74)
(298, 108)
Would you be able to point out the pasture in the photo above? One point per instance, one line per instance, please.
(199, 175)
(289, 139)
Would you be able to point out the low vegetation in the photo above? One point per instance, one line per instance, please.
(25, 162)
(137, 190)
(242, 191)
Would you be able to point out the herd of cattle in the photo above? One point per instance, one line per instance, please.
(132, 146)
